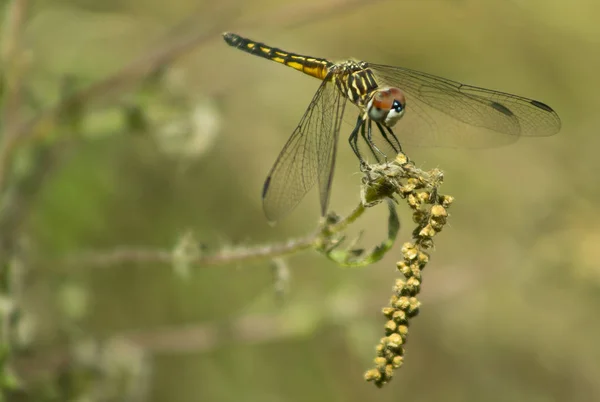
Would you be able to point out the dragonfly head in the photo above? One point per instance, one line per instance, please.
(387, 106)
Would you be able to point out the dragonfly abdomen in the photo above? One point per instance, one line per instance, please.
(315, 67)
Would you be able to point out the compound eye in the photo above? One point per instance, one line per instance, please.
(387, 103)
(390, 99)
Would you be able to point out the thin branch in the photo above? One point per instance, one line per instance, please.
(129, 255)
(348, 220)
(328, 228)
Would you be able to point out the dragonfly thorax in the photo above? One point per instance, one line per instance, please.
(386, 106)
(354, 80)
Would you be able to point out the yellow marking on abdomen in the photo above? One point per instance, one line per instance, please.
(312, 66)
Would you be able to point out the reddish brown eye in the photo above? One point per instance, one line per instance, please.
(387, 106)
(387, 99)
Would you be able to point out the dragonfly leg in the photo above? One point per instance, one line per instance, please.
(353, 139)
(396, 144)
(372, 146)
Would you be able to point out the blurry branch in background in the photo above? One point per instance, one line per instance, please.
(12, 73)
(187, 252)
(132, 74)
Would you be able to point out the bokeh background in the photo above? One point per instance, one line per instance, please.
(510, 299)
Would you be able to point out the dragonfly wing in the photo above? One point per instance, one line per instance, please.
(333, 106)
(442, 112)
(307, 157)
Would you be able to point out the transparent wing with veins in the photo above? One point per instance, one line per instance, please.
(308, 156)
(446, 113)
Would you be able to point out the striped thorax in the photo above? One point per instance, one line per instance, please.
(355, 80)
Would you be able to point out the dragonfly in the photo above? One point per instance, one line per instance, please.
(424, 109)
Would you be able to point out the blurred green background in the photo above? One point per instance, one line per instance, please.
(510, 298)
